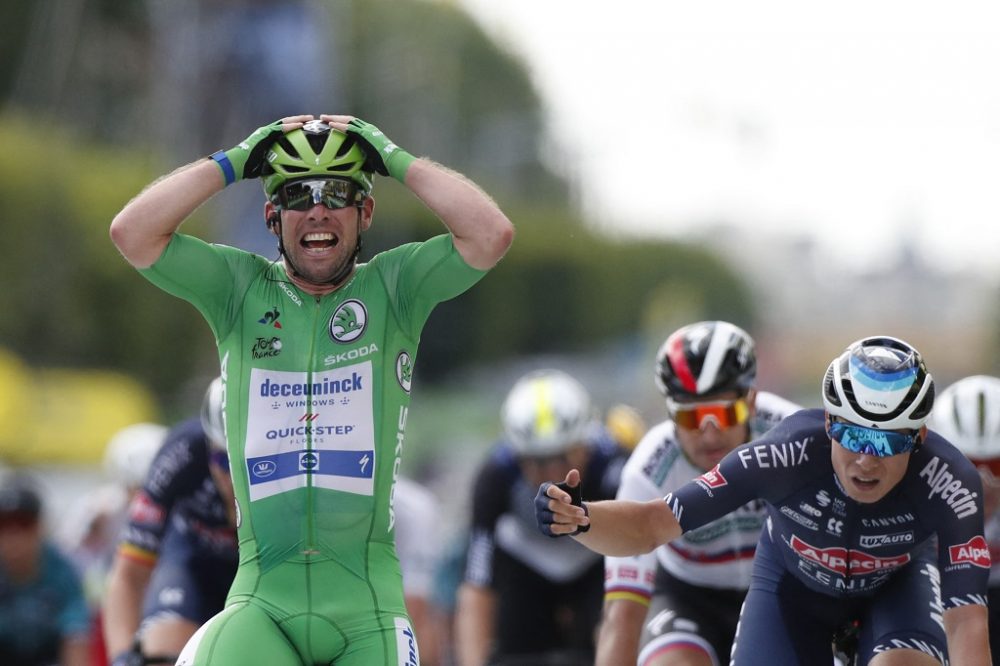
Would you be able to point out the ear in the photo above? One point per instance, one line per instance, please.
(271, 217)
(751, 398)
(367, 210)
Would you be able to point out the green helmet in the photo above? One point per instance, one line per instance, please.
(315, 151)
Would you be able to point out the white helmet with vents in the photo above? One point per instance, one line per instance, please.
(546, 413)
(967, 414)
(879, 382)
(131, 450)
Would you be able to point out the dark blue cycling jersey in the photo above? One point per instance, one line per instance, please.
(838, 546)
(548, 590)
(178, 523)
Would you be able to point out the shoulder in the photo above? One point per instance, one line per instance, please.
(57, 569)
(188, 437)
(438, 245)
(183, 449)
(500, 465)
(941, 473)
(655, 454)
(797, 442)
(769, 410)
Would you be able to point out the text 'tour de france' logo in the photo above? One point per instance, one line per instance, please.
(349, 321)
(404, 370)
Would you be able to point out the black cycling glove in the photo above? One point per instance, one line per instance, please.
(546, 518)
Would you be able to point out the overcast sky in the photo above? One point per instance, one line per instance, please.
(852, 121)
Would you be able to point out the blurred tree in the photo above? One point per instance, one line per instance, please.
(70, 299)
(422, 70)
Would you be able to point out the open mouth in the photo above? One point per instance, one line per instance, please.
(864, 483)
(319, 240)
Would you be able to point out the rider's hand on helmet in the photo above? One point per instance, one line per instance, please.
(247, 157)
(384, 156)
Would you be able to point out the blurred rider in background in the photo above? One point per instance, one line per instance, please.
(527, 599)
(178, 554)
(43, 615)
(679, 604)
(89, 534)
(967, 414)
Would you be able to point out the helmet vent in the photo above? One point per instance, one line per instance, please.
(923, 410)
(317, 141)
(828, 389)
(345, 146)
(288, 147)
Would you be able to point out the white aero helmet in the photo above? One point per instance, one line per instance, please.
(130, 452)
(967, 414)
(879, 382)
(213, 417)
(546, 413)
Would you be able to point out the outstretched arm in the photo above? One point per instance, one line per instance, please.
(481, 231)
(617, 527)
(143, 228)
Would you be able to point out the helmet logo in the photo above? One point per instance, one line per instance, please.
(349, 321)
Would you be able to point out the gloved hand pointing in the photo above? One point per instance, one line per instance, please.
(555, 509)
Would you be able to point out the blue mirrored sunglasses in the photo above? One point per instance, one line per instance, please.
(872, 441)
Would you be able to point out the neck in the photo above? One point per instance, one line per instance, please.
(312, 288)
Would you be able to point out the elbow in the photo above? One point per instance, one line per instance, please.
(119, 232)
(504, 236)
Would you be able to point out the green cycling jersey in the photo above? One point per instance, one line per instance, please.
(317, 390)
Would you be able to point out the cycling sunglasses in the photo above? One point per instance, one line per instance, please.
(872, 441)
(333, 193)
(696, 415)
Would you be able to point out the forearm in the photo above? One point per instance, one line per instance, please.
(474, 619)
(481, 231)
(618, 638)
(144, 226)
(122, 606)
(968, 636)
(623, 528)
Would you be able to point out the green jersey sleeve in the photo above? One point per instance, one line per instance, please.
(211, 277)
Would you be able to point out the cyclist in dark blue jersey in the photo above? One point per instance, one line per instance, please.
(872, 518)
(526, 599)
(178, 554)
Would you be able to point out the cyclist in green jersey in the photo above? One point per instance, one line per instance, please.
(316, 352)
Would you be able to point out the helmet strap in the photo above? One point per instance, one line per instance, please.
(342, 273)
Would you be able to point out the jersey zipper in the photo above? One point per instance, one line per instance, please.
(310, 545)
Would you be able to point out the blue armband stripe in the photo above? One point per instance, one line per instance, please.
(227, 167)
